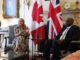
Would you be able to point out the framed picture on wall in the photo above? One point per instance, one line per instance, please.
(10, 8)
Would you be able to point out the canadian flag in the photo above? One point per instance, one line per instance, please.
(38, 26)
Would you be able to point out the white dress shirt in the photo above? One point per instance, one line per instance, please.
(62, 37)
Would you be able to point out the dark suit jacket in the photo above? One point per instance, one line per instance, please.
(72, 34)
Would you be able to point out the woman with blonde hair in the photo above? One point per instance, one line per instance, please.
(21, 35)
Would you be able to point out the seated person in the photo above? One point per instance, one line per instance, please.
(21, 35)
(69, 33)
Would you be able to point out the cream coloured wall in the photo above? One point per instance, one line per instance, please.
(26, 13)
(12, 21)
(6, 22)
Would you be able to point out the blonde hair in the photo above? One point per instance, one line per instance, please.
(22, 20)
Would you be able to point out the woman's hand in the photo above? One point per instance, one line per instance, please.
(27, 32)
(15, 49)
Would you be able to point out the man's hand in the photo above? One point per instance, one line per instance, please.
(60, 41)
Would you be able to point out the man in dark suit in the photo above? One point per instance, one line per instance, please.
(69, 33)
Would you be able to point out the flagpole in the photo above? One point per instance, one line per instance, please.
(32, 49)
(36, 48)
(25, 3)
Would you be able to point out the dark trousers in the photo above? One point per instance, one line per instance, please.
(57, 49)
(41, 46)
(47, 49)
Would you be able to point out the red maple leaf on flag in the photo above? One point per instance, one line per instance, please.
(38, 27)
(37, 13)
